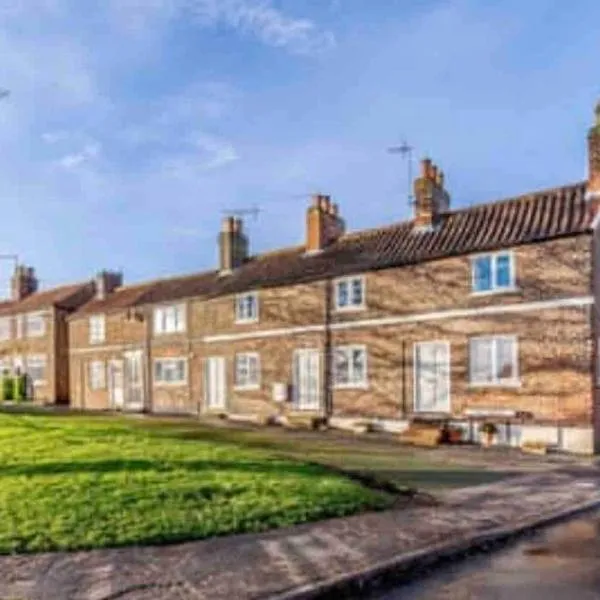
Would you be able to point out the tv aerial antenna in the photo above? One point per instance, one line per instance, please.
(406, 151)
(252, 211)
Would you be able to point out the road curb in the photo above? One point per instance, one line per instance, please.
(410, 565)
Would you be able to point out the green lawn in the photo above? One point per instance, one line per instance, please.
(71, 482)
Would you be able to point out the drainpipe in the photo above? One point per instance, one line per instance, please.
(147, 317)
(328, 351)
(404, 409)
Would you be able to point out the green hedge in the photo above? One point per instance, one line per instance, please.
(14, 388)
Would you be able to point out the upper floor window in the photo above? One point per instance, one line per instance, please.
(35, 324)
(97, 325)
(493, 360)
(5, 328)
(493, 272)
(350, 293)
(350, 366)
(170, 370)
(97, 375)
(247, 370)
(36, 368)
(169, 319)
(246, 307)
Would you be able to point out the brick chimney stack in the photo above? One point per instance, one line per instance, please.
(107, 282)
(233, 245)
(431, 198)
(593, 187)
(323, 224)
(23, 282)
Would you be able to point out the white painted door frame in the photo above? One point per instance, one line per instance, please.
(215, 383)
(306, 378)
(133, 380)
(116, 380)
(439, 377)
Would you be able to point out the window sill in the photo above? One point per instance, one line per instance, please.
(496, 384)
(349, 309)
(351, 386)
(497, 291)
(96, 342)
(247, 388)
(39, 383)
(165, 333)
(169, 383)
(245, 321)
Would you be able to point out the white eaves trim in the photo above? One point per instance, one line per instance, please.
(411, 318)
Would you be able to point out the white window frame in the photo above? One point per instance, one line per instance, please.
(352, 383)
(35, 317)
(97, 329)
(170, 360)
(164, 313)
(349, 281)
(240, 317)
(246, 385)
(495, 289)
(6, 363)
(5, 329)
(513, 381)
(39, 358)
(96, 375)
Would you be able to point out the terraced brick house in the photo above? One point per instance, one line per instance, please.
(485, 312)
(34, 336)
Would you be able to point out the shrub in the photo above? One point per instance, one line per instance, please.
(8, 390)
(489, 428)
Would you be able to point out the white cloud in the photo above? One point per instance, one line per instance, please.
(258, 18)
(89, 152)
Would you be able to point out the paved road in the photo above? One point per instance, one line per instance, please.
(561, 563)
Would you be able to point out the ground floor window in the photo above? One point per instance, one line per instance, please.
(350, 366)
(36, 368)
(247, 370)
(170, 370)
(493, 360)
(97, 375)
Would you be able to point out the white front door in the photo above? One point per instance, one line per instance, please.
(307, 380)
(115, 383)
(432, 377)
(134, 380)
(214, 383)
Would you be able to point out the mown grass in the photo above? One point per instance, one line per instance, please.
(87, 482)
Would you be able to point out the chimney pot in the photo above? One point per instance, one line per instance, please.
(425, 167)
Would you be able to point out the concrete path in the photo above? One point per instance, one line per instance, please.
(269, 565)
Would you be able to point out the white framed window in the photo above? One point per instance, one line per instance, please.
(97, 328)
(350, 366)
(36, 368)
(35, 324)
(247, 370)
(169, 319)
(493, 272)
(350, 293)
(6, 365)
(5, 328)
(172, 371)
(246, 307)
(494, 360)
(19, 329)
(97, 375)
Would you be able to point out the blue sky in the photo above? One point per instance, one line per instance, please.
(132, 124)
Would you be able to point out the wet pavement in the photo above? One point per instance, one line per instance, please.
(562, 562)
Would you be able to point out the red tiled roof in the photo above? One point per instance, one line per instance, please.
(68, 297)
(535, 217)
